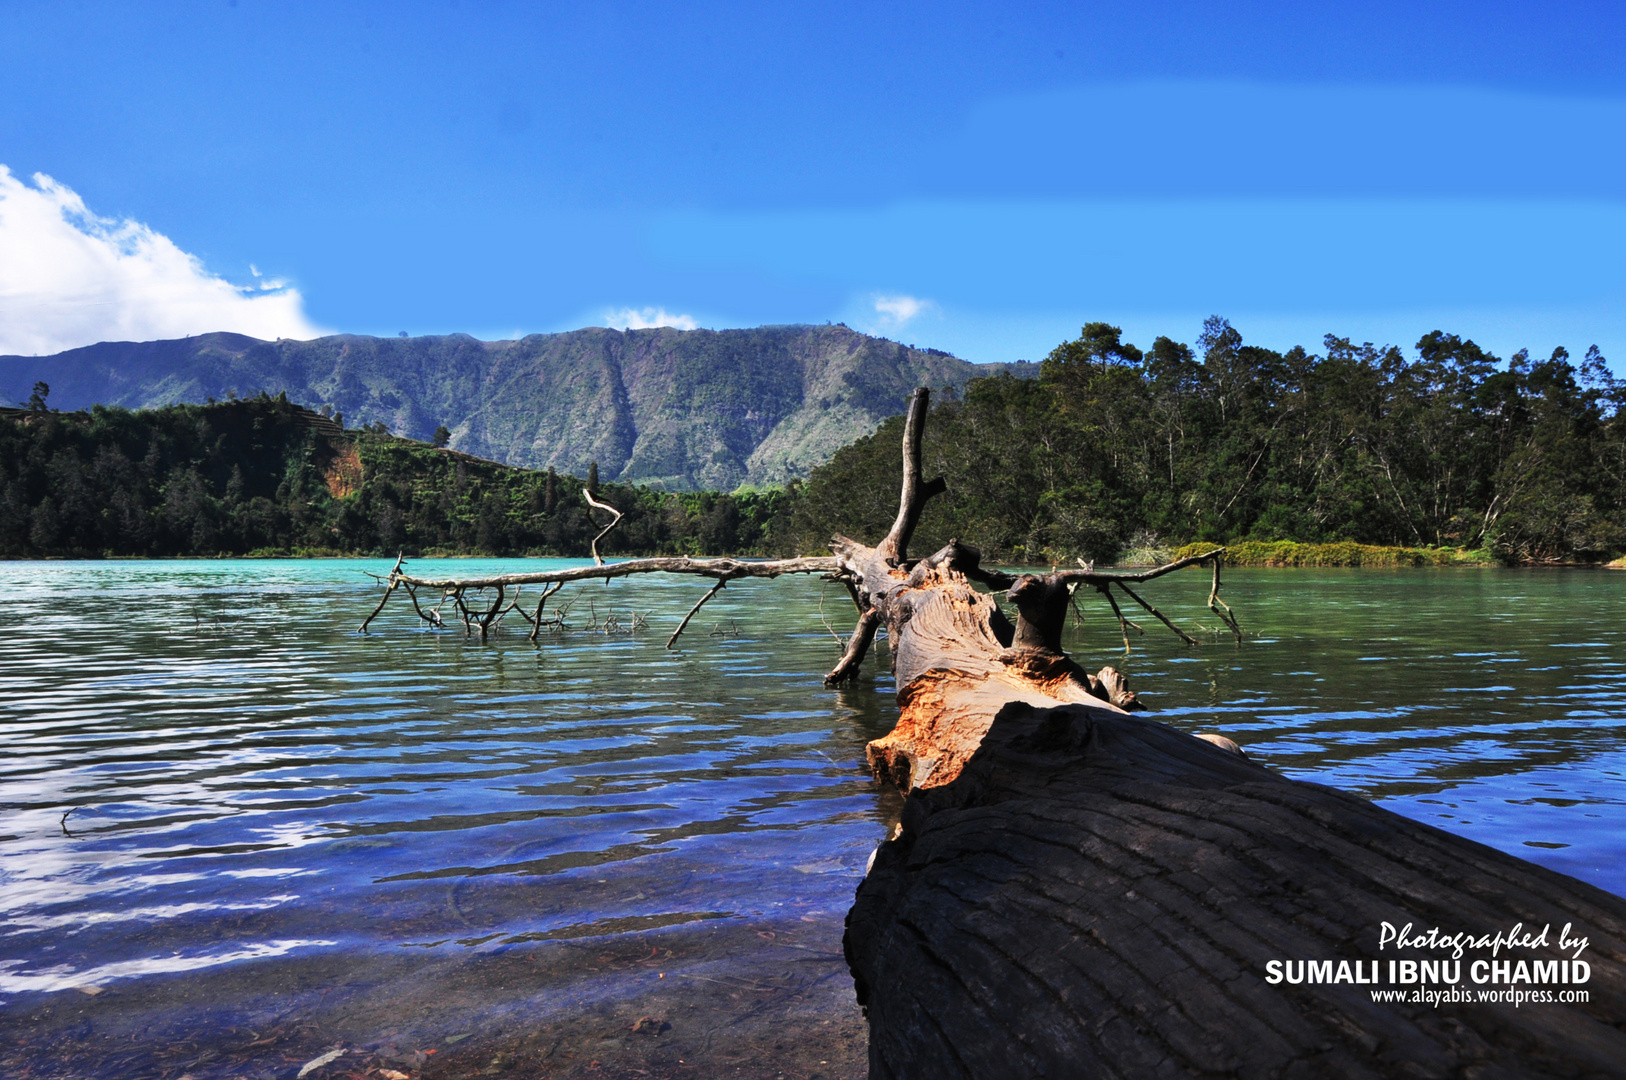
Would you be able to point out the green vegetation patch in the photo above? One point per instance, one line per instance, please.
(1345, 553)
(265, 478)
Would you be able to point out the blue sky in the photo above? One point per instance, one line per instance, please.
(982, 179)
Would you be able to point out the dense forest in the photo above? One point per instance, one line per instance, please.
(1116, 451)
(1111, 453)
(264, 476)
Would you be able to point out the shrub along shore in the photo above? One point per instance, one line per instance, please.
(1345, 553)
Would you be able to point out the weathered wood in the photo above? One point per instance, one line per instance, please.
(587, 493)
(667, 564)
(956, 657)
(698, 604)
(1097, 894)
(1076, 891)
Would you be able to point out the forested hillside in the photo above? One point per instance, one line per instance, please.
(1111, 452)
(1114, 449)
(265, 476)
(679, 410)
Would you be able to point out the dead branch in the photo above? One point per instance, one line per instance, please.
(382, 600)
(894, 547)
(1123, 623)
(857, 647)
(535, 620)
(698, 604)
(1220, 607)
(822, 618)
(588, 495)
(1185, 637)
(432, 616)
(1091, 576)
(873, 576)
(666, 564)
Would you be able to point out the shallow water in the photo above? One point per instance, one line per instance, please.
(228, 815)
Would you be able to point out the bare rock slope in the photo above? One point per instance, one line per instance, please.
(675, 409)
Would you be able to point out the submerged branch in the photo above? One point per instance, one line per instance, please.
(1164, 619)
(698, 604)
(664, 564)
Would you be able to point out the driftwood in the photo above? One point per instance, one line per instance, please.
(460, 589)
(1100, 895)
(883, 583)
(1078, 891)
(957, 657)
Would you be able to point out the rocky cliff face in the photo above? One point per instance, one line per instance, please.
(675, 409)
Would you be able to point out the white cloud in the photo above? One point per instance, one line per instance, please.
(69, 278)
(648, 319)
(897, 310)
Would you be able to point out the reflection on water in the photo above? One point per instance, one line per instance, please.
(197, 745)
(206, 768)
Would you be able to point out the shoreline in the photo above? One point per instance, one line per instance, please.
(1249, 554)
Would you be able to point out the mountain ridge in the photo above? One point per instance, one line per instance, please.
(672, 409)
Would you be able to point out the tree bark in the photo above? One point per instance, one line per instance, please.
(1097, 894)
(1076, 891)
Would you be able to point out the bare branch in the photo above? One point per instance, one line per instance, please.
(895, 547)
(1123, 623)
(857, 646)
(536, 621)
(598, 560)
(1220, 607)
(826, 621)
(1095, 577)
(697, 606)
(382, 600)
(1185, 637)
(668, 564)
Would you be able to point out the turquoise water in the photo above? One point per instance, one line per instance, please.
(221, 803)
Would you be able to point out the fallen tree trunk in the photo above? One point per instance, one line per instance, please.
(1099, 895)
(1075, 891)
(957, 657)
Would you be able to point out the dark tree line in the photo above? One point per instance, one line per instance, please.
(1113, 447)
(264, 476)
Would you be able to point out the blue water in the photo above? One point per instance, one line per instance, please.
(208, 774)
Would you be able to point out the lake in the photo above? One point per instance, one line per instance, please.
(239, 837)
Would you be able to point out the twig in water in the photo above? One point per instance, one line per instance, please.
(671, 641)
(1185, 637)
(822, 619)
(383, 599)
(1220, 607)
(1123, 623)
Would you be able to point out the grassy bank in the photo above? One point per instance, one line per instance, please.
(1289, 553)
